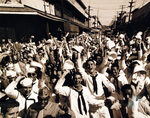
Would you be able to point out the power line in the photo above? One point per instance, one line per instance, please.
(104, 8)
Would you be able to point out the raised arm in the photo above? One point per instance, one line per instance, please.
(63, 90)
(108, 84)
(80, 67)
(10, 90)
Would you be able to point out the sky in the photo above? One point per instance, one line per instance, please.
(107, 10)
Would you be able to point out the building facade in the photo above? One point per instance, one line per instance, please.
(22, 18)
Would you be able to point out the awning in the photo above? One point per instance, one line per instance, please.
(51, 17)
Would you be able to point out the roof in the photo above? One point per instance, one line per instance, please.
(81, 3)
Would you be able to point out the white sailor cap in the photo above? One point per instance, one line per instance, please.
(31, 70)
(68, 65)
(78, 48)
(11, 73)
(26, 82)
(36, 64)
(121, 36)
(138, 68)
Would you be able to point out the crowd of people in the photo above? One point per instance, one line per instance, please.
(82, 77)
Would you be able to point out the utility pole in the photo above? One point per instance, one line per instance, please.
(89, 16)
(131, 5)
(97, 17)
(122, 7)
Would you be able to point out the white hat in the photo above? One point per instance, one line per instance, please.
(10, 66)
(32, 36)
(110, 44)
(139, 35)
(148, 39)
(49, 41)
(107, 39)
(26, 82)
(132, 42)
(138, 68)
(10, 73)
(112, 55)
(78, 48)
(40, 46)
(36, 64)
(30, 55)
(31, 70)
(68, 65)
(121, 36)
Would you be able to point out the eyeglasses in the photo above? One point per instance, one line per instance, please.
(31, 74)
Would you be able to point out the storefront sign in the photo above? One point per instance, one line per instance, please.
(11, 3)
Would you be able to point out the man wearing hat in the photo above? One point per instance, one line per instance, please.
(8, 77)
(44, 108)
(94, 80)
(133, 108)
(21, 90)
(79, 95)
(32, 74)
(141, 82)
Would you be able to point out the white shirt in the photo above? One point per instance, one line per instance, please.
(73, 98)
(99, 79)
(122, 80)
(15, 94)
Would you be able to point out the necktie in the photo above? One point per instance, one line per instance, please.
(117, 85)
(26, 106)
(83, 102)
(94, 83)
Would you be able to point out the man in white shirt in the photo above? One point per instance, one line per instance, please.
(94, 81)
(44, 108)
(79, 95)
(23, 94)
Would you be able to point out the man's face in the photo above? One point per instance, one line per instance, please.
(75, 53)
(43, 101)
(26, 90)
(138, 76)
(49, 70)
(41, 52)
(91, 67)
(12, 112)
(128, 94)
(11, 78)
(99, 59)
(32, 75)
(115, 72)
(30, 59)
(77, 80)
(43, 97)
(25, 55)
